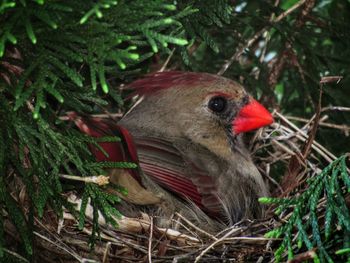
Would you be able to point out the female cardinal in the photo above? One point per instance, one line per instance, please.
(185, 134)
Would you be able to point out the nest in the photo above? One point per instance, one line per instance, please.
(141, 240)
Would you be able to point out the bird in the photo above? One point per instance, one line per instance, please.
(185, 133)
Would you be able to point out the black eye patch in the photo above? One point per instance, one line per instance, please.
(217, 104)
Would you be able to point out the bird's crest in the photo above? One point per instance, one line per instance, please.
(154, 82)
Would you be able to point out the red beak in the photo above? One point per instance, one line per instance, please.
(252, 116)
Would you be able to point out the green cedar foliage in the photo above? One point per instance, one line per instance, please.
(59, 56)
(320, 216)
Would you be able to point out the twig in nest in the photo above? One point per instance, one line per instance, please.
(105, 254)
(136, 225)
(99, 180)
(195, 227)
(117, 240)
(150, 241)
(14, 254)
(301, 135)
(344, 128)
(64, 248)
(292, 177)
(307, 147)
(267, 174)
(185, 227)
(218, 241)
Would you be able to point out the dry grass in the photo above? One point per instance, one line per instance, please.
(141, 240)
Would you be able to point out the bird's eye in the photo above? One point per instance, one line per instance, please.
(217, 104)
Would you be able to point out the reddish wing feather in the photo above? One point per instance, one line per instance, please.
(158, 171)
(172, 182)
(158, 159)
(165, 170)
(123, 151)
(165, 165)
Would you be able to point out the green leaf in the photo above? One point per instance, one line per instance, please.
(84, 203)
(30, 31)
(50, 88)
(344, 173)
(45, 17)
(39, 103)
(68, 71)
(101, 75)
(342, 251)
(16, 215)
(117, 165)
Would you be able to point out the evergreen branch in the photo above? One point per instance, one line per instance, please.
(6, 5)
(16, 216)
(256, 36)
(96, 9)
(331, 184)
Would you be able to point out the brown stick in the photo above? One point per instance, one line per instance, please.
(256, 36)
(150, 241)
(344, 127)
